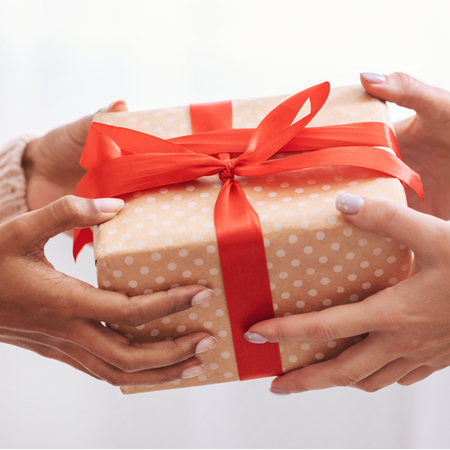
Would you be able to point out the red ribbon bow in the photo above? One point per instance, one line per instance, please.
(120, 161)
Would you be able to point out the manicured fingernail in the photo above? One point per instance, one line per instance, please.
(193, 371)
(374, 78)
(349, 204)
(279, 391)
(202, 297)
(120, 105)
(205, 344)
(255, 338)
(108, 205)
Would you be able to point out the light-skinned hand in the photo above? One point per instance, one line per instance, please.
(60, 317)
(424, 138)
(407, 325)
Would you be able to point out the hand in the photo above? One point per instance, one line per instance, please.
(424, 139)
(60, 317)
(51, 163)
(407, 325)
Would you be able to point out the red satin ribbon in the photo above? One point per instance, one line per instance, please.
(242, 255)
(211, 116)
(120, 161)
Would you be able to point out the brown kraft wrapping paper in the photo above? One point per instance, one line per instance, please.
(165, 237)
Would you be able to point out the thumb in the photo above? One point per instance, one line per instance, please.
(408, 92)
(422, 233)
(79, 129)
(37, 227)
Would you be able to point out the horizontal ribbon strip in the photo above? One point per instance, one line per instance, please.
(120, 161)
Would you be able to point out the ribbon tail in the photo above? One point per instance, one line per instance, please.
(246, 280)
(81, 237)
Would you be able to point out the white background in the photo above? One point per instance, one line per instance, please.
(60, 60)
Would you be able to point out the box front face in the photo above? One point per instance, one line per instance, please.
(315, 258)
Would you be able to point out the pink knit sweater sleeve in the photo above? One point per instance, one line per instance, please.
(12, 179)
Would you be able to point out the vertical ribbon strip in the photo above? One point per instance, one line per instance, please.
(242, 255)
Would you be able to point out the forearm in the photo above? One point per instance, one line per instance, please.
(13, 184)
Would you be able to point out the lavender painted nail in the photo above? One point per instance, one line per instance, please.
(255, 338)
(279, 391)
(374, 78)
(349, 204)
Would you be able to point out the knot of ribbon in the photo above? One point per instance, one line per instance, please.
(121, 161)
(227, 173)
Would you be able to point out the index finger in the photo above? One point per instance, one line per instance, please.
(321, 326)
(422, 233)
(428, 101)
(114, 307)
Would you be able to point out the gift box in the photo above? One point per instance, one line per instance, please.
(167, 235)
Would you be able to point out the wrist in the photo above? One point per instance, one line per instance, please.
(29, 158)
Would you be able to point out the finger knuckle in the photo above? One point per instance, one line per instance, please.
(388, 217)
(176, 352)
(408, 85)
(14, 230)
(130, 313)
(175, 301)
(343, 377)
(276, 333)
(411, 346)
(321, 331)
(114, 378)
(110, 374)
(127, 363)
(67, 210)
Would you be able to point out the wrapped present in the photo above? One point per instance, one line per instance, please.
(239, 196)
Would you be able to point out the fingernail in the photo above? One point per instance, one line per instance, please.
(117, 106)
(349, 204)
(255, 338)
(279, 391)
(202, 297)
(205, 344)
(374, 78)
(193, 371)
(108, 205)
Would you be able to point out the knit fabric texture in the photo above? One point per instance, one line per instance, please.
(13, 183)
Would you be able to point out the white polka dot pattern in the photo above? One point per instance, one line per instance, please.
(165, 237)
